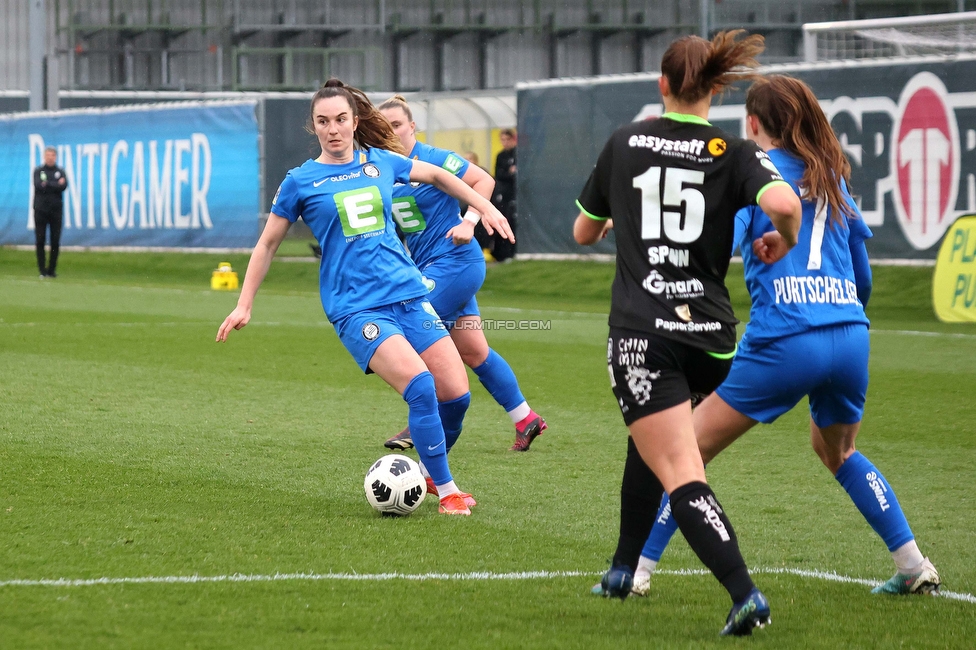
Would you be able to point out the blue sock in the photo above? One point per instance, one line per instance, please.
(425, 427)
(452, 416)
(662, 531)
(497, 376)
(875, 499)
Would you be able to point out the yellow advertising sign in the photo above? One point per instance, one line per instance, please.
(954, 280)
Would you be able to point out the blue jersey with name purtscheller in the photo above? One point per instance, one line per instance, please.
(426, 214)
(347, 207)
(813, 286)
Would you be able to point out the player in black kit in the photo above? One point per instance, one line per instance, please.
(670, 189)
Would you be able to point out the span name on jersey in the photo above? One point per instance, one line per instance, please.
(657, 144)
(680, 257)
(804, 289)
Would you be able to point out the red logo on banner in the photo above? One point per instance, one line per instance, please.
(926, 159)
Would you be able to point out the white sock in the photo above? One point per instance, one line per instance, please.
(907, 557)
(646, 565)
(423, 470)
(520, 412)
(447, 489)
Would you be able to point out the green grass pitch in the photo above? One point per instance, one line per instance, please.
(133, 446)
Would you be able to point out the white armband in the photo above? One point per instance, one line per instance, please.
(472, 216)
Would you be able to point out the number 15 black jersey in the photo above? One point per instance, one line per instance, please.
(672, 187)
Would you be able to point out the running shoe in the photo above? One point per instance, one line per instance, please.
(528, 430)
(750, 613)
(400, 442)
(617, 582)
(641, 586)
(923, 580)
(468, 499)
(642, 583)
(453, 504)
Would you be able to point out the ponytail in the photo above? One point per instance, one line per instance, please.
(695, 67)
(374, 130)
(791, 115)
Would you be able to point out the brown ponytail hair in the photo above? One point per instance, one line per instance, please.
(397, 101)
(374, 130)
(695, 67)
(790, 115)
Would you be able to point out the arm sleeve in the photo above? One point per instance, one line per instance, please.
(287, 202)
(862, 270)
(38, 188)
(450, 161)
(757, 172)
(594, 198)
(742, 220)
(401, 165)
(60, 187)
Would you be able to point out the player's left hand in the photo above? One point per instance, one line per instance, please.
(771, 247)
(461, 233)
(495, 221)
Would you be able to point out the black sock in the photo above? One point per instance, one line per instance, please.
(640, 497)
(709, 533)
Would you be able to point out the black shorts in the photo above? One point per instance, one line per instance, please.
(649, 373)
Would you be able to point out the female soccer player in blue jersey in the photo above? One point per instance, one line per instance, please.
(442, 246)
(672, 187)
(807, 334)
(371, 291)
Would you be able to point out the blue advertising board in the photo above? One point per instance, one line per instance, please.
(146, 176)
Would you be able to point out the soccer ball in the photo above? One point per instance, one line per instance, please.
(394, 485)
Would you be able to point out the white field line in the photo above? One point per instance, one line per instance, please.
(829, 576)
(951, 335)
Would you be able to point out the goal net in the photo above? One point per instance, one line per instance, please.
(886, 37)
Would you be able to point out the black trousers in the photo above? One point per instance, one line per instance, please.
(502, 249)
(44, 219)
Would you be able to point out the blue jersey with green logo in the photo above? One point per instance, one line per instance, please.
(425, 214)
(814, 285)
(347, 207)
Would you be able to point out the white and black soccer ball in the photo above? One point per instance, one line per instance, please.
(394, 485)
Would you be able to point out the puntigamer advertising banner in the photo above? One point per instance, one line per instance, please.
(908, 128)
(152, 176)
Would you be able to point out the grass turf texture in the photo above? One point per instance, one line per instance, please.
(132, 445)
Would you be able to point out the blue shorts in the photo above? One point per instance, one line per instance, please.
(415, 320)
(829, 364)
(452, 287)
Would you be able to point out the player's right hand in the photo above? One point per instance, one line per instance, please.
(771, 247)
(236, 320)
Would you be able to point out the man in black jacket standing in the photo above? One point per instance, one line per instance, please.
(504, 196)
(49, 185)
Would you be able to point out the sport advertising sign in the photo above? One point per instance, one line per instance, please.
(908, 129)
(149, 176)
(954, 280)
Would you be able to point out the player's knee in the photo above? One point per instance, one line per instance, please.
(421, 392)
(472, 357)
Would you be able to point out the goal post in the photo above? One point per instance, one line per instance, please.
(886, 37)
